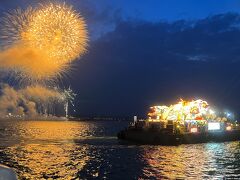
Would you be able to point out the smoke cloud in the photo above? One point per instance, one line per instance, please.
(31, 101)
(34, 63)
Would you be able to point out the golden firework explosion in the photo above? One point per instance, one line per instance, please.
(40, 43)
(57, 30)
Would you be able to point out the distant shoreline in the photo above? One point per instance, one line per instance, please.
(60, 119)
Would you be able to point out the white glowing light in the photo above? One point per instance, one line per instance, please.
(194, 130)
(229, 128)
(213, 126)
(211, 111)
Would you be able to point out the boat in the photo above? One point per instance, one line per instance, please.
(150, 133)
(183, 123)
(7, 173)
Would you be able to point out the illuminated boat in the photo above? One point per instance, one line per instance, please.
(145, 132)
(182, 123)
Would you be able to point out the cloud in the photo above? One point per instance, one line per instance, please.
(100, 18)
(140, 64)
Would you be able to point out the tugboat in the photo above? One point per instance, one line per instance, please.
(182, 123)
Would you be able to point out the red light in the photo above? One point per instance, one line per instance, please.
(194, 130)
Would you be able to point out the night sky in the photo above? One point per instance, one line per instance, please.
(143, 53)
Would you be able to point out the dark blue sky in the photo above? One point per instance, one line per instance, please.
(153, 10)
(148, 52)
(156, 10)
(102, 15)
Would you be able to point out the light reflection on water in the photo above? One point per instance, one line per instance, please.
(47, 149)
(88, 150)
(211, 160)
(45, 161)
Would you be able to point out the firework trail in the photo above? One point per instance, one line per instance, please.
(13, 26)
(41, 43)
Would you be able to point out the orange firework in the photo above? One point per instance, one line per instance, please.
(41, 43)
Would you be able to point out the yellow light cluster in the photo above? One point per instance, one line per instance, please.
(183, 110)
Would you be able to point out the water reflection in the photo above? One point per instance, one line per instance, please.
(223, 160)
(213, 160)
(66, 150)
(53, 130)
(35, 161)
(90, 150)
(47, 150)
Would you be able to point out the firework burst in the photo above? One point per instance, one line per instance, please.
(58, 30)
(14, 25)
(40, 43)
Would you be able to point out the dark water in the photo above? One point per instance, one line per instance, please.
(90, 150)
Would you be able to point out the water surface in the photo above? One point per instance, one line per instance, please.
(90, 150)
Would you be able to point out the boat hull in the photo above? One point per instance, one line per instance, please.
(159, 138)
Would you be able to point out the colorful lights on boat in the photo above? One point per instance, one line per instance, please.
(194, 130)
(229, 128)
(214, 126)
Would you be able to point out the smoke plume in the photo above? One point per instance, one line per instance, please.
(31, 101)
